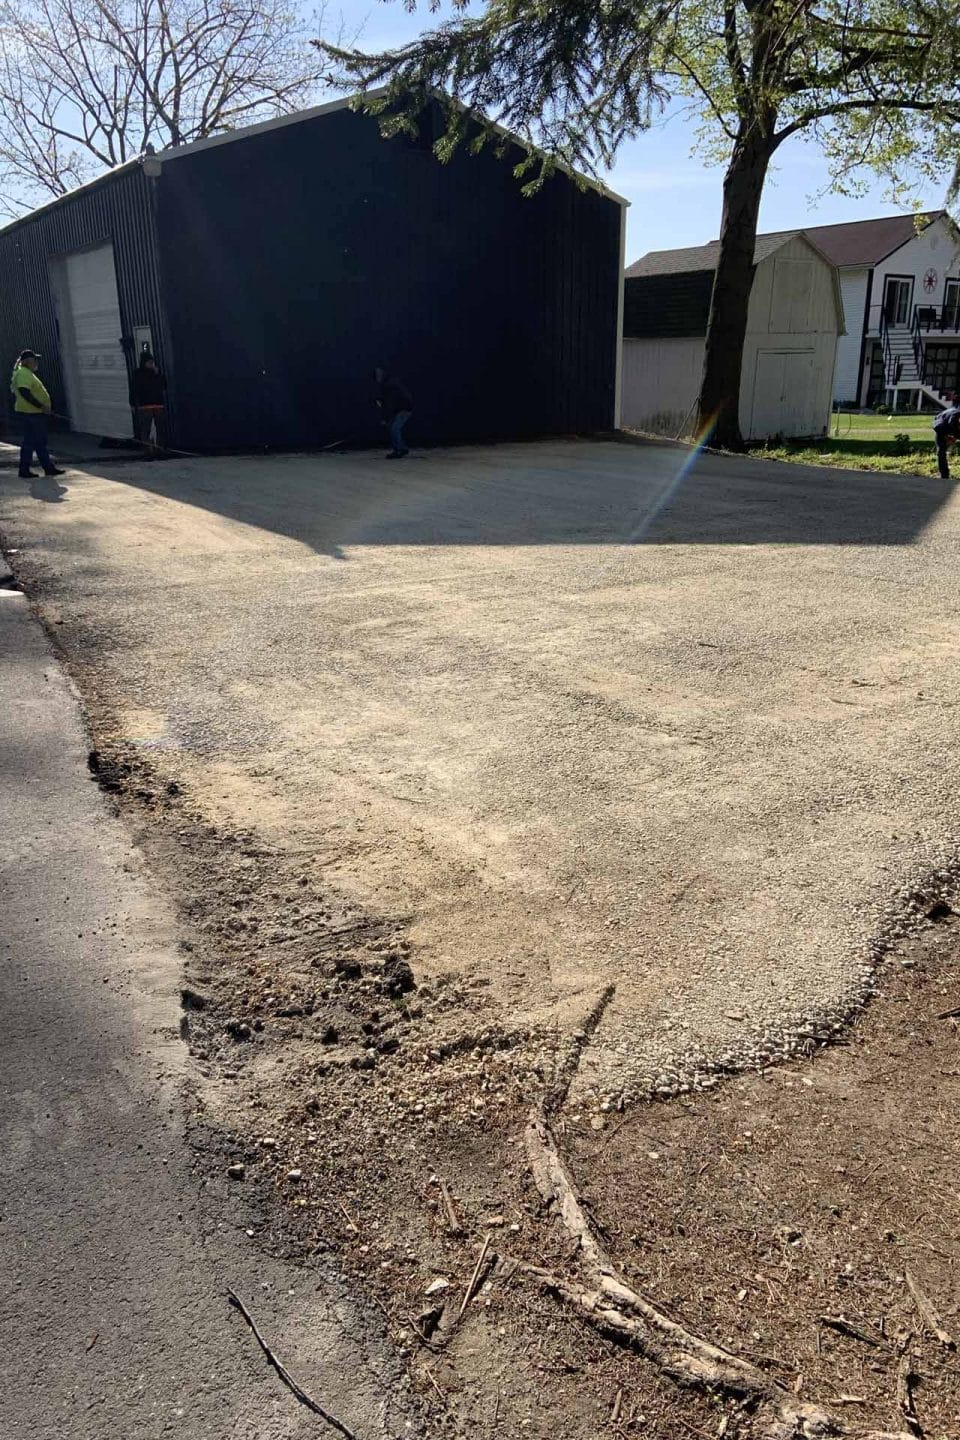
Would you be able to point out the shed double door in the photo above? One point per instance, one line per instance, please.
(95, 365)
(783, 394)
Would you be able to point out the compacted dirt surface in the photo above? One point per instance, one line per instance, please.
(536, 748)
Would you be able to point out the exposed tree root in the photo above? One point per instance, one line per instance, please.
(612, 1306)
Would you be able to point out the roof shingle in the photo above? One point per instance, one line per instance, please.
(858, 242)
(703, 257)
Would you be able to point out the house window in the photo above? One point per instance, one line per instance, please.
(951, 305)
(897, 295)
(941, 368)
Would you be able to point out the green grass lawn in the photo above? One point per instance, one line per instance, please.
(867, 442)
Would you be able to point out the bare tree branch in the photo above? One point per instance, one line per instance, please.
(88, 84)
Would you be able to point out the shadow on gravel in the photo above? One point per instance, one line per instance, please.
(562, 494)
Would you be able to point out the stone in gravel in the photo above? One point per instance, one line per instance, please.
(397, 976)
(192, 999)
(347, 968)
(294, 1175)
(437, 1285)
(238, 1029)
(329, 1035)
(237, 1171)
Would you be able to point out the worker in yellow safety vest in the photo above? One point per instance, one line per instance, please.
(31, 403)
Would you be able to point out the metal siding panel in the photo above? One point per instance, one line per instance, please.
(118, 210)
(319, 249)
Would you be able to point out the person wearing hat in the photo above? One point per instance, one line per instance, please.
(31, 402)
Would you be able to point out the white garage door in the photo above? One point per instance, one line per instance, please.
(783, 394)
(97, 367)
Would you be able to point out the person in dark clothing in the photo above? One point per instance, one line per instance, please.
(147, 400)
(946, 431)
(31, 404)
(396, 407)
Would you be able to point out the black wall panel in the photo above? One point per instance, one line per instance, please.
(296, 260)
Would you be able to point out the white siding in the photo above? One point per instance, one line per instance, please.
(933, 253)
(846, 380)
(661, 382)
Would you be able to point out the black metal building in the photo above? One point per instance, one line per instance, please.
(271, 269)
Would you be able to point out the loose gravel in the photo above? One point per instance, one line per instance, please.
(554, 717)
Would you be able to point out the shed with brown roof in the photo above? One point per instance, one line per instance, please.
(794, 318)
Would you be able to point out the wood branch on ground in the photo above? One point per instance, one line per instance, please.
(615, 1308)
(846, 1327)
(475, 1277)
(453, 1220)
(292, 1385)
(905, 1379)
(928, 1312)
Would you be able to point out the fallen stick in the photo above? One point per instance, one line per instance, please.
(349, 1218)
(948, 1014)
(288, 1380)
(429, 1374)
(468, 1296)
(844, 1327)
(453, 1219)
(929, 1313)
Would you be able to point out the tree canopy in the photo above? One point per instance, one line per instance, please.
(875, 82)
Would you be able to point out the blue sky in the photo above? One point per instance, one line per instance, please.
(675, 199)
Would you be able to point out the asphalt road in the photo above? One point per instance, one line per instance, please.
(115, 1252)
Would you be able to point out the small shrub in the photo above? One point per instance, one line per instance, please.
(902, 444)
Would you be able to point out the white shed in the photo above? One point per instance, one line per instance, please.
(793, 323)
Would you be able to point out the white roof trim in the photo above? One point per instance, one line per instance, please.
(293, 117)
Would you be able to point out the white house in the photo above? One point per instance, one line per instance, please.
(900, 282)
(794, 319)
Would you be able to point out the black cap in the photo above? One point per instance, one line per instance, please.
(29, 355)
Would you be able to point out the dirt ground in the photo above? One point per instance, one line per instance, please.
(430, 768)
(783, 1215)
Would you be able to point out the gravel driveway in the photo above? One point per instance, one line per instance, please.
(575, 714)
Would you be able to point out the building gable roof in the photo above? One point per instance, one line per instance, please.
(703, 257)
(867, 242)
(858, 242)
(667, 293)
(152, 163)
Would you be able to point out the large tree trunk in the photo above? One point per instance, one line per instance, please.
(727, 326)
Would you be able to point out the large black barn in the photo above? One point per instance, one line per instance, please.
(272, 268)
